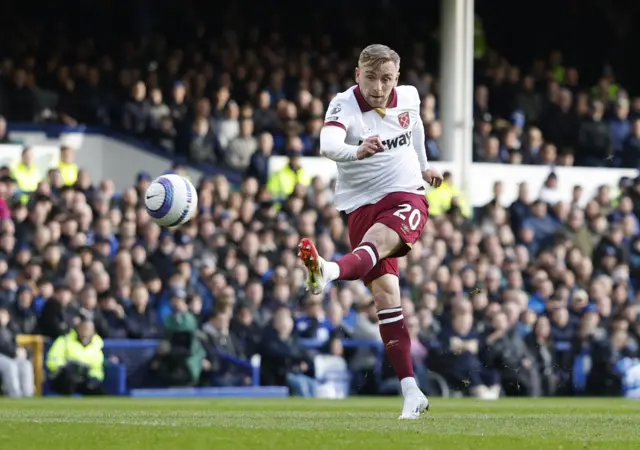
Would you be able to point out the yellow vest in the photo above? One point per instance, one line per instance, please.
(68, 348)
(559, 74)
(27, 178)
(282, 183)
(440, 200)
(613, 89)
(69, 172)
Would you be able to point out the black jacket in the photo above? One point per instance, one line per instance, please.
(280, 357)
(8, 345)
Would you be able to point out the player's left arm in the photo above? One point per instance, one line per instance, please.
(430, 174)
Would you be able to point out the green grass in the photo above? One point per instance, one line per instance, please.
(357, 423)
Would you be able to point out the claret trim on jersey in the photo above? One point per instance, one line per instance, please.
(365, 107)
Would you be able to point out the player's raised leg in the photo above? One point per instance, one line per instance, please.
(396, 339)
(376, 245)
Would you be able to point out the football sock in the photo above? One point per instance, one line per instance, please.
(397, 343)
(356, 264)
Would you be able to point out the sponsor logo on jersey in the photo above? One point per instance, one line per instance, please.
(332, 119)
(336, 109)
(398, 141)
(404, 119)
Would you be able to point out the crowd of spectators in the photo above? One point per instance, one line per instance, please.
(549, 116)
(509, 299)
(222, 97)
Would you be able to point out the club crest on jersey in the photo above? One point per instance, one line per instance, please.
(336, 109)
(404, 120)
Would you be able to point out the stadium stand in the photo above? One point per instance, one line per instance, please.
(546, 287)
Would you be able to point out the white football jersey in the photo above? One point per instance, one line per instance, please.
(397, 169)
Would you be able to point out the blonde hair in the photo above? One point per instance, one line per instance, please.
(377, 54)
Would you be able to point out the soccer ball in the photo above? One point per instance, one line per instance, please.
(171, 200)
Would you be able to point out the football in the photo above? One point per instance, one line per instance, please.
(171, 200)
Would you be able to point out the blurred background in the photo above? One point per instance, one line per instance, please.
(532, 248)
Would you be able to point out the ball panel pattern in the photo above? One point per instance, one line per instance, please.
(187, 207)
(167, 202)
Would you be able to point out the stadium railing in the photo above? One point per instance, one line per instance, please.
(36, 344)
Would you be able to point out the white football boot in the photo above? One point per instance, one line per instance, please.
(415, 402)
(414, 406)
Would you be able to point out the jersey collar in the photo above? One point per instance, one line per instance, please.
(365, 107)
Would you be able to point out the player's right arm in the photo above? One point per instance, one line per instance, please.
(334, 133)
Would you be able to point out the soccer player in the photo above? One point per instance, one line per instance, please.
(374, 133)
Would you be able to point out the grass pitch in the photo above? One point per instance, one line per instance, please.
(357, 423)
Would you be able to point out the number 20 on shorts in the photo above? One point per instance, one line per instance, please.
(413, 215)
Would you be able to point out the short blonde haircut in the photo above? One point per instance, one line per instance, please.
(377, 54)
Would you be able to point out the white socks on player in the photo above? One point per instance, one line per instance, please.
(330, 271)
(409, 386)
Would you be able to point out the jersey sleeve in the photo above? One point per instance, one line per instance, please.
(339, 114)
(419, 138)
(414, 100)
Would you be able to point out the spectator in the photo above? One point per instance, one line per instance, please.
(433, 136)
(259, 162)
(594, 140)
(181, 356)
(26, 172)
(57, 317)
(284, 361)
(541, 348)
(241, 148)
(158, 110)
(67, 166)
(221, 343)
(23, 316)
(21, 100)
(506, 351)
(247, 330)
(166, 135)
(620, 127)
(228, 127)
(313, 323)
(441, 200)
(265, 118)
(141, 321)
(4, 134)
(204, 145)
(136, 113)
(76, 362)
(283, 183)
(461, 345)
(528, 100)
(630, 155)
(15, 368)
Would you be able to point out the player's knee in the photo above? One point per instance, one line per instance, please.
(386, 292)
(385, 300)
